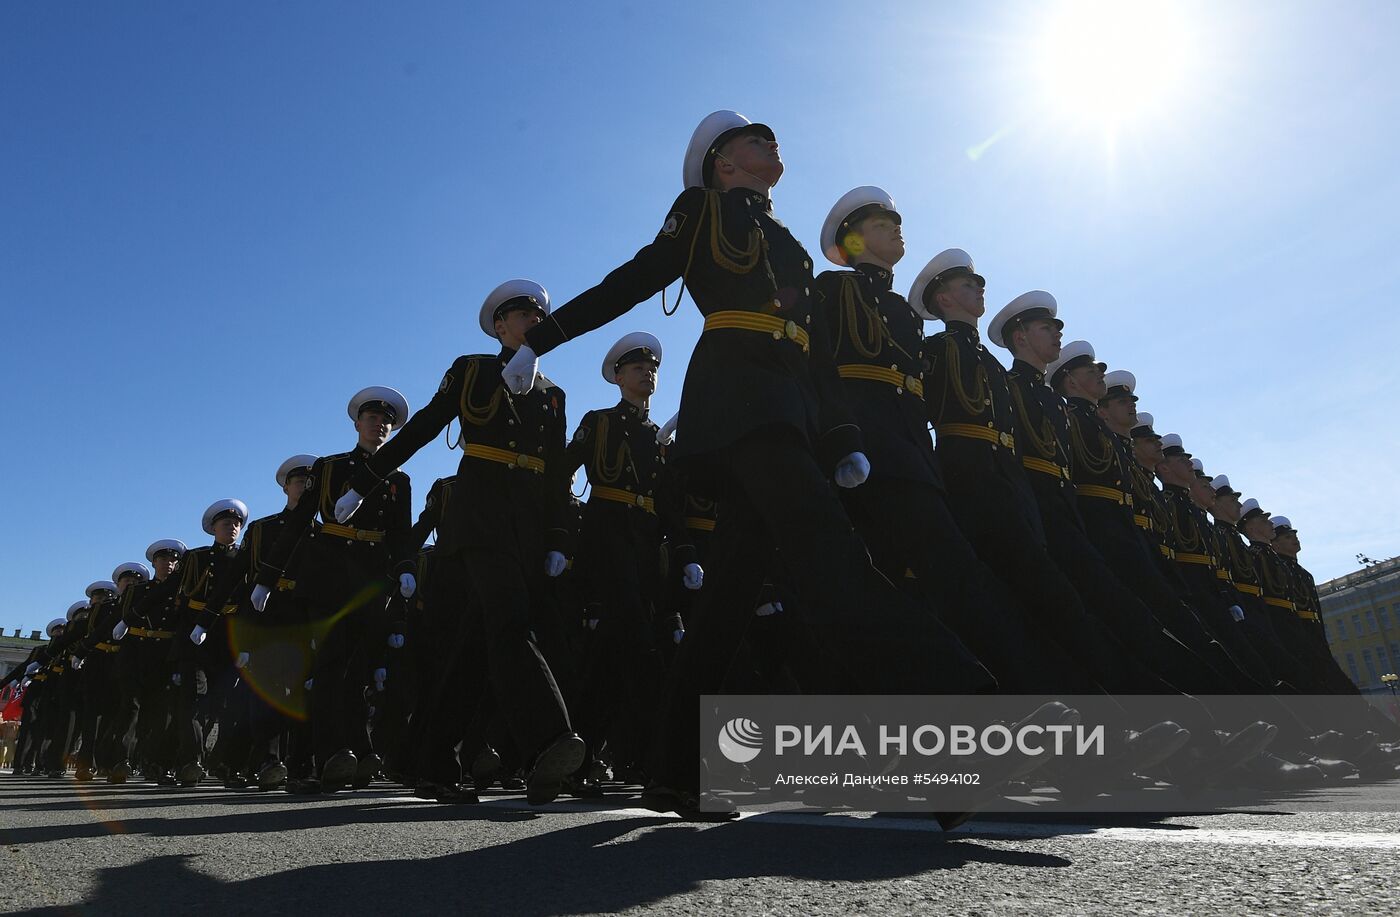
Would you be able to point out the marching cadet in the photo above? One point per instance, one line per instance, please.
(762, 423)
(1196, 565)
(632, 503)
(62, 691)
(506, 525)
(451, 669)
(274, 640)
(901, 511)
(95, 683)
(201, 645)
(1238, 563)
(1286, 545)
(1051, 435)
(350, 565)
(148, 612)
(969, 402)
(43, 710)
(27, 675)
(101, 680)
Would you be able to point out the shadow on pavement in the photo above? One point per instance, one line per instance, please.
(583, 868)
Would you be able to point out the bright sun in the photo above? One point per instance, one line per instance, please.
(1108, 62)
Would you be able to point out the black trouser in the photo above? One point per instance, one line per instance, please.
(623, 672)
(141, 719)
(1000, 517)
(1213, 607)
(775, 496)
(906, 525)
(101, 704)
(278, 644)
(503, 590)
(62, 706)
(1155, 650)
(1126, 551)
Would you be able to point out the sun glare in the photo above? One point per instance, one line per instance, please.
(1107, 62)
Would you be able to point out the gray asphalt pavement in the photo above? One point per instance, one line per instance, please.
(139, 849)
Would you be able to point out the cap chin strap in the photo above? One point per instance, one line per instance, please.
(719, 155)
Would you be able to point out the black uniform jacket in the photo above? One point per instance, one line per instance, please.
(734, 256)
(877, 344)
(969, 403)
(512, 453)
(387, 509)
(1042, 434)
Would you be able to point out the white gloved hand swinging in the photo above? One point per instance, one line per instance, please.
(693, 576)
(520, 370)
(347, 504)
(852, 470)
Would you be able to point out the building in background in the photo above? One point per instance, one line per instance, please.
(1361, 612)
(14, 649)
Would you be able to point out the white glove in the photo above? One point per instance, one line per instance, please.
(259, 597)
(307, 684)
(31, 668)
(519, 374)
(175, 679)
(380, 676)
(241, 661)
(554, 563)
(693, 576)
(396, 641)
(407, 585)
(197, 636)
(592, 623)
(768, 608)
(676, 635)
(119, 631)
(74, 663)
(668, 430)
(1237, 612)
(852, 470)
(345, 507)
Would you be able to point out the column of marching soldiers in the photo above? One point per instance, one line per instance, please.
(794, 528)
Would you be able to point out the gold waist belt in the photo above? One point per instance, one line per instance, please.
(1280, 603)
(758, 321)
(1167, 552)
(284, 584)
(504, 457)
(345, 531)
(1247, 589)
(879, 374)
(1044, 467)
(1193, 559)
(700, 523)
(151, 634)
(1307, 615)
(1099, 492)
(617, 495)
(972, 431)
(108, 647)
(1222, 574)
(1142, 521)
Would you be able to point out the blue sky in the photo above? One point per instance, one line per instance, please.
(218, 221)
